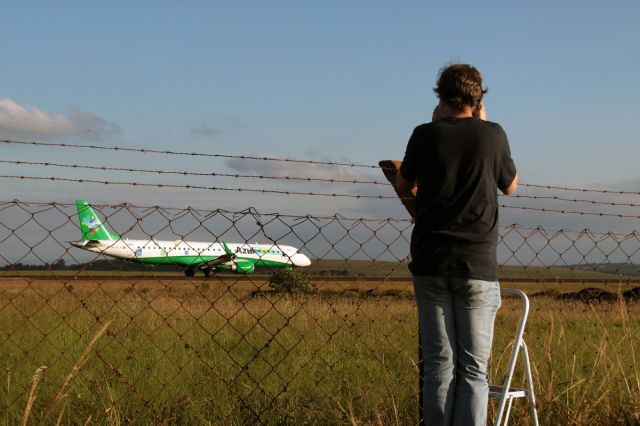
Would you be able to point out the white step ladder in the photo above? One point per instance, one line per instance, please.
(505, 393)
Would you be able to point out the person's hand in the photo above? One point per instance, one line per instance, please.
(481, 113)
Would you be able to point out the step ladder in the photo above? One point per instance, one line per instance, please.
(505, 393)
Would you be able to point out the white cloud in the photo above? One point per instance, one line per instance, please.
(297, 169)
(388, 206)
(28, 121)
(88, 122)
(631, 185)
(204, 130)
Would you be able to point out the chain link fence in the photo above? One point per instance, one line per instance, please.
(87, 337)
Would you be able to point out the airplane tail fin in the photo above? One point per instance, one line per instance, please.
(91, 226)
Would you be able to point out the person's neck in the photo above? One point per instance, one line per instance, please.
(448, 111)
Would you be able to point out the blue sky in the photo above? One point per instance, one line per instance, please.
(318, 80)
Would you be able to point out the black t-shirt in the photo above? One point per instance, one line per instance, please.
(459, 164)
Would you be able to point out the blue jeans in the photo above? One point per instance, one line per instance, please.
(456, 324)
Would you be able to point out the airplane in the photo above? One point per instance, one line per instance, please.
(241, 258)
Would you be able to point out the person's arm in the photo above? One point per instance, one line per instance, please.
(511, 188)
(508, 175)
(406, 176)
(406, 179)
(406, 188)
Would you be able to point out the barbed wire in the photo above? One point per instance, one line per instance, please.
(574, 189)
(210, 188)
(572, 200)
(285, 160)
(186, 153)
(249, 210)
(284, 178)
(186, 173)
(300, 193)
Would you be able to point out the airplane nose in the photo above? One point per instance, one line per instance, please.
(300, 259)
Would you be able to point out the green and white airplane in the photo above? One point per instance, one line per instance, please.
(241, 258)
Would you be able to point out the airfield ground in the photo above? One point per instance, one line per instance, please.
(228, 350)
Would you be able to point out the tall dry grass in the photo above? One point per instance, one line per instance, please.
(199, 355)
(58, 402)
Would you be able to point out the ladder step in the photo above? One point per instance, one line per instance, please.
(496, 392)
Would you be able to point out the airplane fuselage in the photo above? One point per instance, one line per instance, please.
(193, 254)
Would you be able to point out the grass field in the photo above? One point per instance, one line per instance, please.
(228, 351)
(335, 268)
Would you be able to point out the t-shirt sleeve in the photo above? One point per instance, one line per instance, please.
(409, 162)
(507, 166)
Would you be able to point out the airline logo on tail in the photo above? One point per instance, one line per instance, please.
(91, 223)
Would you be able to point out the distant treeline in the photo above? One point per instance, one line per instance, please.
(98, 265)
(342, 268)
(123, 265)
(627, 269)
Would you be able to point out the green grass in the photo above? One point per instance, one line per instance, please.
(199, 354)
(334, 268)
(366, 268)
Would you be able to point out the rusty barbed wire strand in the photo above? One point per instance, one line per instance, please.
(285, 178)
(574, 189)
(315, 194)
(285, 160)
(210, 188)
(337, 216)
(571, 200)
(563, 211)
(186, 153)
(185, 173)
(298, 193)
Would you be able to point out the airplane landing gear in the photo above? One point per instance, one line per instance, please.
(207, 272)
(189, 272)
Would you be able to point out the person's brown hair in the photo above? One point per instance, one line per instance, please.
(460, 85)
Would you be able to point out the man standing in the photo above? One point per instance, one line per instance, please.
(458, 161)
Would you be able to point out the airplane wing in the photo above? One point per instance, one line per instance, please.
(226, 257)
(217, 261)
